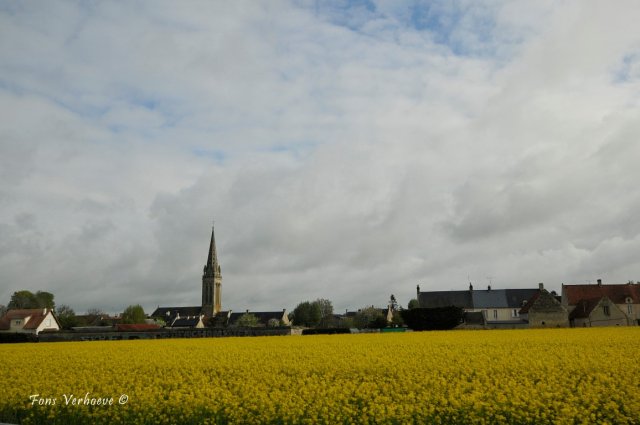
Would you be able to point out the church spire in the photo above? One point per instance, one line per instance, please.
(212, 259)
(212, 281)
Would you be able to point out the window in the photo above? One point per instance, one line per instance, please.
(606, 310)
(18, 322)
(495, 314)
(629, 308)
(515, 313)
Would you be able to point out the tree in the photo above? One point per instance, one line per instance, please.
(307, 314)
(45, 300)
(22, 299)
(326, 312)
(95, 312)
(274, 323)
(66, 316)
(369, 317)
(133, 314)
(26, 299)
(413, 304)
(393, 303)
(3, 310)
(426, 319)
(248, 320)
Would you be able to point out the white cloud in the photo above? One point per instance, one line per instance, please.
(345, 154)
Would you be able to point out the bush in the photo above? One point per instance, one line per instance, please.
(325, 331)
(429, 319)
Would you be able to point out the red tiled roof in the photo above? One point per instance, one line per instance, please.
(36, 316)
(616, 293)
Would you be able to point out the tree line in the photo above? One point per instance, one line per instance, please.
(67, 317)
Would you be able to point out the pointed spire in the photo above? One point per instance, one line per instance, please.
(212, 259)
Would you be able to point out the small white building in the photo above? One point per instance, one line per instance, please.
(31, 321)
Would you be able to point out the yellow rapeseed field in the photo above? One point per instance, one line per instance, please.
(555, 376)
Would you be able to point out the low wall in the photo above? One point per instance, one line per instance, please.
(113, 335)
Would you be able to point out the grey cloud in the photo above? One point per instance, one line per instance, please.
(348, 164)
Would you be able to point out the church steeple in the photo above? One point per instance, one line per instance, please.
(212, 259)
(212, 281)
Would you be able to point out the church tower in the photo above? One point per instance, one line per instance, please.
(211, 281)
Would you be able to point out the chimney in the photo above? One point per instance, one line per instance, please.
(418, 290)
(599, 282)
(540, 286)
(470, 286)
(489, 288)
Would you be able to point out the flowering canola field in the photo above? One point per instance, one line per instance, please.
(554, 376)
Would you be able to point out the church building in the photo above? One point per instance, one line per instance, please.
(211, 292)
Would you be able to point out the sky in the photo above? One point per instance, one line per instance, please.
(346, 150)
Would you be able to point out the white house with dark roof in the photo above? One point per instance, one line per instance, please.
(31, 321)
(499, 307)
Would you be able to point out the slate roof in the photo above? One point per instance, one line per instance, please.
(36, 316)
(618, 294)
(169, 313)
(435, 299)
(476, 299)
(495, 298)
(263, 316)
(186, 322)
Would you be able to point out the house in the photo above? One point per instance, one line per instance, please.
(592, 300)
(192, 322)
(544, 310)
(169, 314)
(31, 321)
(499, 307)
(265, 318)
(597, 312)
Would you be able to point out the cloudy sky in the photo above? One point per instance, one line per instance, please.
(346, 150)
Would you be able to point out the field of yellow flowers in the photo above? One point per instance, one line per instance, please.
(559, 376)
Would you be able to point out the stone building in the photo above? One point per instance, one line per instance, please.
(544, 310)
(600, 299)
(597, 312)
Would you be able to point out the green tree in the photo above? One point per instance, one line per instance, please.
(45, 300)
(326, 312)
(248, 320)
(66, 316)
(3, 310)
(274, 323)
(27, 299)
(133, 314)
(22, 299)
(307, 314)
(413, 304)
(369, 317)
